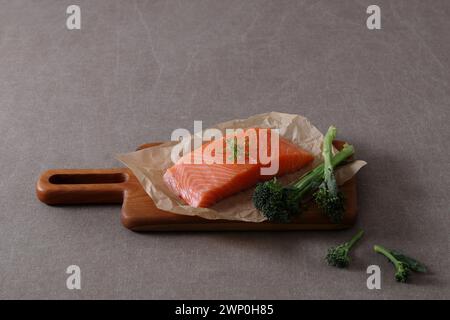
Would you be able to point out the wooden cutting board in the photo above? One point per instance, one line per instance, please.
(139, 213)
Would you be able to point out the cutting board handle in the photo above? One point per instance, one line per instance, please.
(80, 186)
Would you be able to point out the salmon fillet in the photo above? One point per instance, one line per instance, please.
(201, 182)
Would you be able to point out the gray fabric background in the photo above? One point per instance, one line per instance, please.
(139, 69)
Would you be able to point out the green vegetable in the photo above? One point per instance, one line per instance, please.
(328, 197)
(236, 150)
(403, 264)
(278, 203)
(338, 256)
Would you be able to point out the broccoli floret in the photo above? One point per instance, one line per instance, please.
(270, 198)
(402, 273)
(403, 264)
(331, 203)
(339, 256)
(328, 197)
(278, 203)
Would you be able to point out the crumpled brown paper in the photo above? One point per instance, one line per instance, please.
(149, 166)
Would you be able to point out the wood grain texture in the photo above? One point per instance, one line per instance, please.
(139, 213)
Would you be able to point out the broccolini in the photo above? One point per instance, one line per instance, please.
(328, 197)
(402, 263)
(278, 203)
(339, 256)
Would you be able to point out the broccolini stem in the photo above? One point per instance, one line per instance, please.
(316, 175)
(327, 153)
(385, 252)
(355, 239)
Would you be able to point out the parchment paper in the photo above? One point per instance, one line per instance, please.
(149, 166)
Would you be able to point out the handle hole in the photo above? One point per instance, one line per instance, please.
(88, 178)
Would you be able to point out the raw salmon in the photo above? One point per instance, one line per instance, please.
(201, 182)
